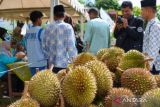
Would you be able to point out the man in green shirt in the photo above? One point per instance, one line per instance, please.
(97, 33)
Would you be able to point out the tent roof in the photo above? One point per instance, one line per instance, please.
(20, 4)
(20, 9)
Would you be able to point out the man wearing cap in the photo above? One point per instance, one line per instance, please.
(97, 32)
(59, 42)
(151, 41)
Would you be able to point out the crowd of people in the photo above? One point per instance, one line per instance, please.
(56, 44)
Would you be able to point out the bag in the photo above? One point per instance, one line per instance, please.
(21, 69)
(79, 44)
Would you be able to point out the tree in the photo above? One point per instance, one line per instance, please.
(158, 12)
(107, 4)
(136, 11)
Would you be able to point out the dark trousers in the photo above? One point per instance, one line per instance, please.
(33, 69)
(57, 69)
(154, 71)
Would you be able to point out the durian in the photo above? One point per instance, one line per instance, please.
(79, 87)
(132, 59)
(83, 58)
(157, 78)
(26, 100)
(92, 105)
(102, 75)
(112, 58)
(101, 52)
(138, 80)
(151, 98)
(117, 96)
(45, 88)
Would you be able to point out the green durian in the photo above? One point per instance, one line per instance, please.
(103, 76)
(151, 98)
(138, 80)
(112, 58)
(116, 97)
(45, 88)
(83, 58)
(79, 87)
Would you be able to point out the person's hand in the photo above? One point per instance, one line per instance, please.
(125, 23)
(20, 55)
(87, 46)
(119, 26)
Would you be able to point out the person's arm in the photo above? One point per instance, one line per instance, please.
(45, 41)
(70, 43)
(117, 30)
(7, 60)
(109, 36)
(88, 35)
(135, 33)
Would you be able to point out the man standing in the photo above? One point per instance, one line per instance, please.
(59, 42)
(97, 33)
(129, 29)
(151, 41)
(33, 43)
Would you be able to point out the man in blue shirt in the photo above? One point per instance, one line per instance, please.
(59, 42)
(33, 44)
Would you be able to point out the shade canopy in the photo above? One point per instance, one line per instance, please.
(20, 9)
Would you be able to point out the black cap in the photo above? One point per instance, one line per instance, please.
(148, 3)
(59, 9)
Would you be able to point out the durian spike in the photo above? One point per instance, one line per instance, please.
(25, 91)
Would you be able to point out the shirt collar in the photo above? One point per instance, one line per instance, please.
(152, 21)
(59, 21)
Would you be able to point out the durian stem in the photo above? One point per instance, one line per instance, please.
(51, 67)
(148, 59)
(120, 69)
(72, 59)
(25, 92)
(62, 104)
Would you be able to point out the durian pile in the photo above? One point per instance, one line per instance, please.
(111, 78)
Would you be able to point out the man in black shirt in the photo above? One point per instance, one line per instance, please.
(129, 29)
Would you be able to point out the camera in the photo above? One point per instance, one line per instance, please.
(119, 20)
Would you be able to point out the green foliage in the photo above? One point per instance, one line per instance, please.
(137, 11)
(82, 1)
(107, 4)
(158, 12)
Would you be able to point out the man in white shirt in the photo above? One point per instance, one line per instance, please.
(151, 40)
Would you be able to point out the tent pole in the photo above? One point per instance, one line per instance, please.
(51, 10)
(53, 3)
